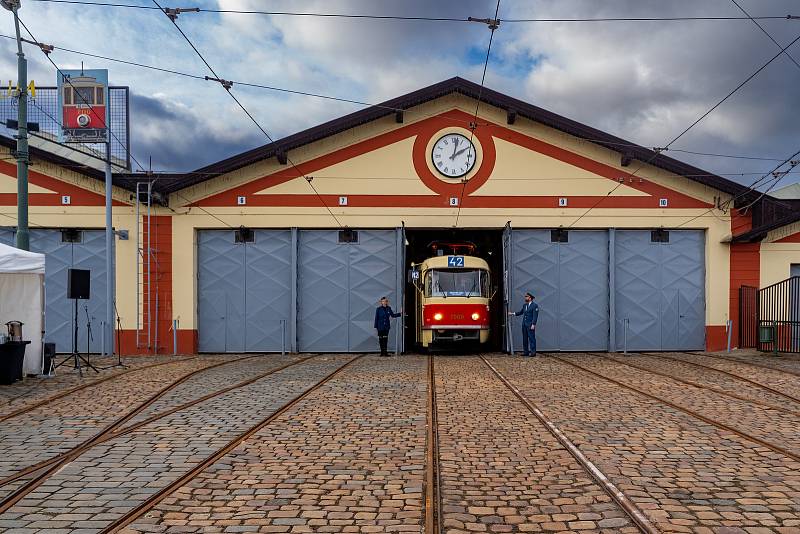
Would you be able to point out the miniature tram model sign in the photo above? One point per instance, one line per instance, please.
(83, 97)
(453, 295)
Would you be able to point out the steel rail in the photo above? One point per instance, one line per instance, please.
(19, 494)
(734, 375)
(762, 366)
(617, 495)
(157, 497)
(86, 445)
(692, 413)
(31, 407)
(696, 384)
(433, 498)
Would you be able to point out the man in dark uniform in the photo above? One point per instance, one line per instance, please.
(530, 314)
(382, 324)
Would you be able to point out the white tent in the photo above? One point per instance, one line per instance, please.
(22, 299)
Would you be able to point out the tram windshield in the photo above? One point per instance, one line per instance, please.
(457, 283)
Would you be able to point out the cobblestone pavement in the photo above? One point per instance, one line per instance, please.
(502, 470)
(777, 379)
(712, 379)
(785, 361)
(348, 458)
(21, 394)
(687, 475)
(62, 424)
(773, 426)
(116, 475)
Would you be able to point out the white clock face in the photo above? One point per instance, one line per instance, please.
(453, 155)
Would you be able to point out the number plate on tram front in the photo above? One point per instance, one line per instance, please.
(455, 261)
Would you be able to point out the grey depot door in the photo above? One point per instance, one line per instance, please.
(341, 276)
(660, 289)
(7, 235)
(243, 289)
(567, 271)
(64, 250)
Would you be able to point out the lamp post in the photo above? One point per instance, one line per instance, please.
(23, 236)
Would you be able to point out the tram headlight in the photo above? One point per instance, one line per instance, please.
(476, 316)
(437, 316)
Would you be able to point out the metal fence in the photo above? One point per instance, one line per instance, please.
(779, 316)
(44, 111)
(748, 317)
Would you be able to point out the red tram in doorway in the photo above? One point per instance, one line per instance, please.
(452, 296)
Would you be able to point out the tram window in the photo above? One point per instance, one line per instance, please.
(99, 99)
(456, 283)
(85, 95)
(68, 96)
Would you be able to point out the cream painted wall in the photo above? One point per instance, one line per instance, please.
(523, 172)
(776, 261)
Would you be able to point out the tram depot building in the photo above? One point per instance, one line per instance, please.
(290, 245)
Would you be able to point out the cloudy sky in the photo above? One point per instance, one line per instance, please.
(642, 81)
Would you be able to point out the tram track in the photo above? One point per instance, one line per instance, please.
(728, 373)
(70, 391)
(696, 384)
(433, 498)
(114, 431)
(636, 515)
(154, 499)
(708, 420)
(746, 362)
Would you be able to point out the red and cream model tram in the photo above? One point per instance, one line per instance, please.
(452, 297)
(84, 107)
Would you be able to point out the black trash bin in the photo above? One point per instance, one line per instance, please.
(12, 357)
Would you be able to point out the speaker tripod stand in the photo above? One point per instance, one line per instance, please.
(76, 357)
(119, 343)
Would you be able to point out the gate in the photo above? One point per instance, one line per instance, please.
(748, 317)
(779, 316)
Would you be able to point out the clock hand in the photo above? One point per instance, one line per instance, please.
(459, 152)
(455, 147)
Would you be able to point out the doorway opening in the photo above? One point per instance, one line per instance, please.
(489, 247)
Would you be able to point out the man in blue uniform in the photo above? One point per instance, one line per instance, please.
(530, 314)
(382, 324)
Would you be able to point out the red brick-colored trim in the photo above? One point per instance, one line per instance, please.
(78, 196)
(716, 338)
(745, 267)
(187, 343)
(794, 238)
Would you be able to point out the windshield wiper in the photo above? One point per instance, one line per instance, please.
(474, 283)
(444, 295)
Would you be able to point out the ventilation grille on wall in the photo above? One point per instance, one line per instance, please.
(659, 236)
(348, 236)
(559, 236)
(245, 235)
(71, 235)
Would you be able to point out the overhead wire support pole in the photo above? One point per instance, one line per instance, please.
(23, 233)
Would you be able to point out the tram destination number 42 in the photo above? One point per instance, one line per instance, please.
(455, 261)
